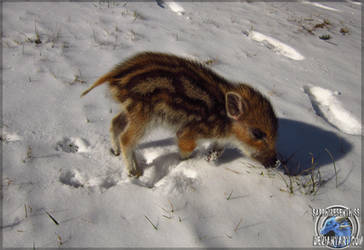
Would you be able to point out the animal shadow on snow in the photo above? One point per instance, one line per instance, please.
(158, 143)
(298, 142)
(159, 167)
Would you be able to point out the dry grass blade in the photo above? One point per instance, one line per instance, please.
(209, 61)
(313, 182)
(313, 165)
(235, 172)
(165, 210)
(154, 226)
(251, 165)
(26, 211)
(284, 160)
(333, 162)
(319, 181)
(172, 208)
(307, 170)
(60, 242)
(238, 225)
(283, 179)
(290, 186)
(37, 40)
(52, 218)
(229, 197)
(312, 172)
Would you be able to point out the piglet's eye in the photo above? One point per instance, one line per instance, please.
(258, 134)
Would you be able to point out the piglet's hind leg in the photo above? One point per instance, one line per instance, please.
(118, 125)
(129, 139)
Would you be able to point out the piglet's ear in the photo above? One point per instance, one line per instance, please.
(235, 105)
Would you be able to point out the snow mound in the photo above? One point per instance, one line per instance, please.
(353, 2)
(321, 6)
(330, 108)
(275, 45)
(180, 180)
(164, 171)
(7, 136)
(175, 7)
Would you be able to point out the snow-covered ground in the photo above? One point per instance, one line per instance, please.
(61, 187)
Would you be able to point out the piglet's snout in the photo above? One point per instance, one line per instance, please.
(268, 161)
(272, 163)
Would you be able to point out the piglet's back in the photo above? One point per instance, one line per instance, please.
(170, 86)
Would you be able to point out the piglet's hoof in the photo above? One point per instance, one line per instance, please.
(135, 173)
(112, 151)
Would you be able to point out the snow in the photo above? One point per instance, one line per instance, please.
(56, 148)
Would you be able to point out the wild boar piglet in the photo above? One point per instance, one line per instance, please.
(198, 104)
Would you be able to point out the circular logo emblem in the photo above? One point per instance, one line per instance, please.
(336, 226)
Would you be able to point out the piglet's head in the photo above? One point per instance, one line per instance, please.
(254, 124)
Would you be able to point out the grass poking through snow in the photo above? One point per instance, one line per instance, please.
(333, 162)
(26, 210)
(229, 196)
(237, 226)
(52, 218)
(154, 226)
(309, 180)
(29, 155)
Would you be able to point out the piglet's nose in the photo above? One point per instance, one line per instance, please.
(272, 162)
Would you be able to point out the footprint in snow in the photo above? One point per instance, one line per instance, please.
(75, 179)
(73, 145)
(72, 178)
(327, 106)
(275, 45)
